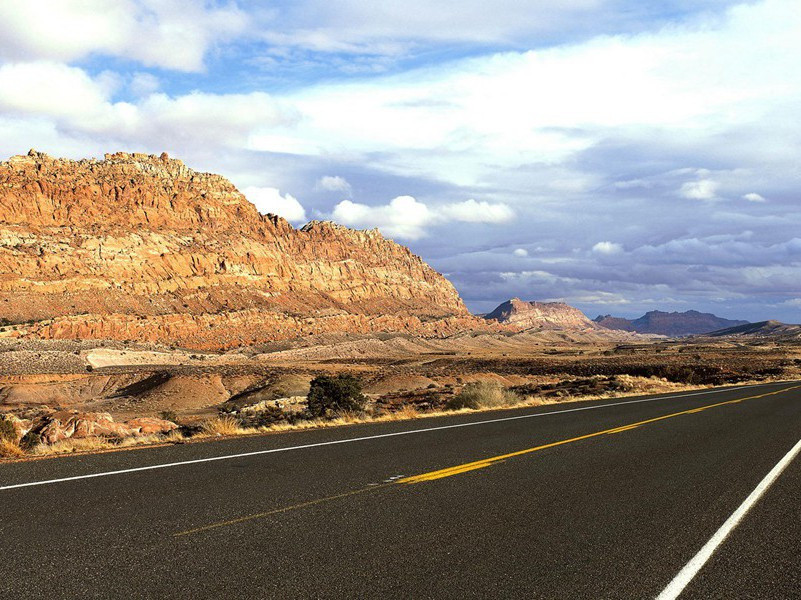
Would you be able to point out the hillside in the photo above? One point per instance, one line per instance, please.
(546, 315)
(672, 324)
(763, 329)
(141, 247)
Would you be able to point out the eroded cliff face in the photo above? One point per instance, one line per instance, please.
(141, 247)
(543, 315)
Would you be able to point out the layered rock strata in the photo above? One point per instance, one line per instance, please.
(141, 247)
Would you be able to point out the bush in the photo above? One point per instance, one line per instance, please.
(331, 395)
(483, 394)
(168, 415)
(7, 431)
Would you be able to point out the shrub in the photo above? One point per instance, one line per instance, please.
(331, 395)
(168, 415)
(483, 394)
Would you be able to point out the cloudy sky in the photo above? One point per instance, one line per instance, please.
(621, 155)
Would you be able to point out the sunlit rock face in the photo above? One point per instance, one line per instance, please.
(142, 247)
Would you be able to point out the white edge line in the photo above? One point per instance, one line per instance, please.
(690, 570)
(368, 437)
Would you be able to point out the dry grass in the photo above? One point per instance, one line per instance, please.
(223, 426)
(484, 394)
(406, 412)
(9, 449)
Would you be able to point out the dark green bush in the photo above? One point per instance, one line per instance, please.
(329, 395)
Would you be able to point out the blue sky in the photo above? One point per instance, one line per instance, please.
(621, 156)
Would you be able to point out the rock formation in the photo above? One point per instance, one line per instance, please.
(545, 315)
(690, 322)
(140, 247)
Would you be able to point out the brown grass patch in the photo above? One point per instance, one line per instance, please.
(224, 426)
(9, 449)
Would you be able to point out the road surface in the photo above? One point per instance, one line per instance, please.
(692, 495)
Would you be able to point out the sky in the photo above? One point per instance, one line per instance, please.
(618, 155)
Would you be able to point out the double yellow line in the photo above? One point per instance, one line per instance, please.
(471, 466)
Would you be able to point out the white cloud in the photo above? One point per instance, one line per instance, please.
(52, 89)
(407, 218)
(754, 197)
(144, 84)
(404, 217)
(78, 103)
(521, 252)
(704, 189)
(270, 200)
(607, 248)
(471, 211)
(334, 183)
(172, 34)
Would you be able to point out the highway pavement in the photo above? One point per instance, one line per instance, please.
(690, 495)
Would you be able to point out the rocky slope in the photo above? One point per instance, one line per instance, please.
(690, 322)
(545, 315)
(773, 330)
(144, 248)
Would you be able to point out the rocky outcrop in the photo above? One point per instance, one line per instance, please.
(657, 322)
(617, 323)
(543, 315)
(141, 247)
(58, 426)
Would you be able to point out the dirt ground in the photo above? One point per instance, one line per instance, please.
(131, 380)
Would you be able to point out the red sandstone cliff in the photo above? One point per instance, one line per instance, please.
(141, 247)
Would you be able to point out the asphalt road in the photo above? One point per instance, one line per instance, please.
(608, 499)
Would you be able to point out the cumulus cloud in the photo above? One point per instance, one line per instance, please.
(407, 218)
(52, 89)
(334, 183)
(77, 103)
(754, 197)
(704, 189)
(471, 211)
(521, 252)
(404, 217)
(172, 34)
(607, 248)
(270, 200)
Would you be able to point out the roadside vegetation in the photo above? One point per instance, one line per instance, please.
(338, 400)
(484, 394)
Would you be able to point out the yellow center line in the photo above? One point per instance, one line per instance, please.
(277, 511)
(486, 462)
(467, 467)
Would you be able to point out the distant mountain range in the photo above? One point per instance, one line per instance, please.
(671, 324)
